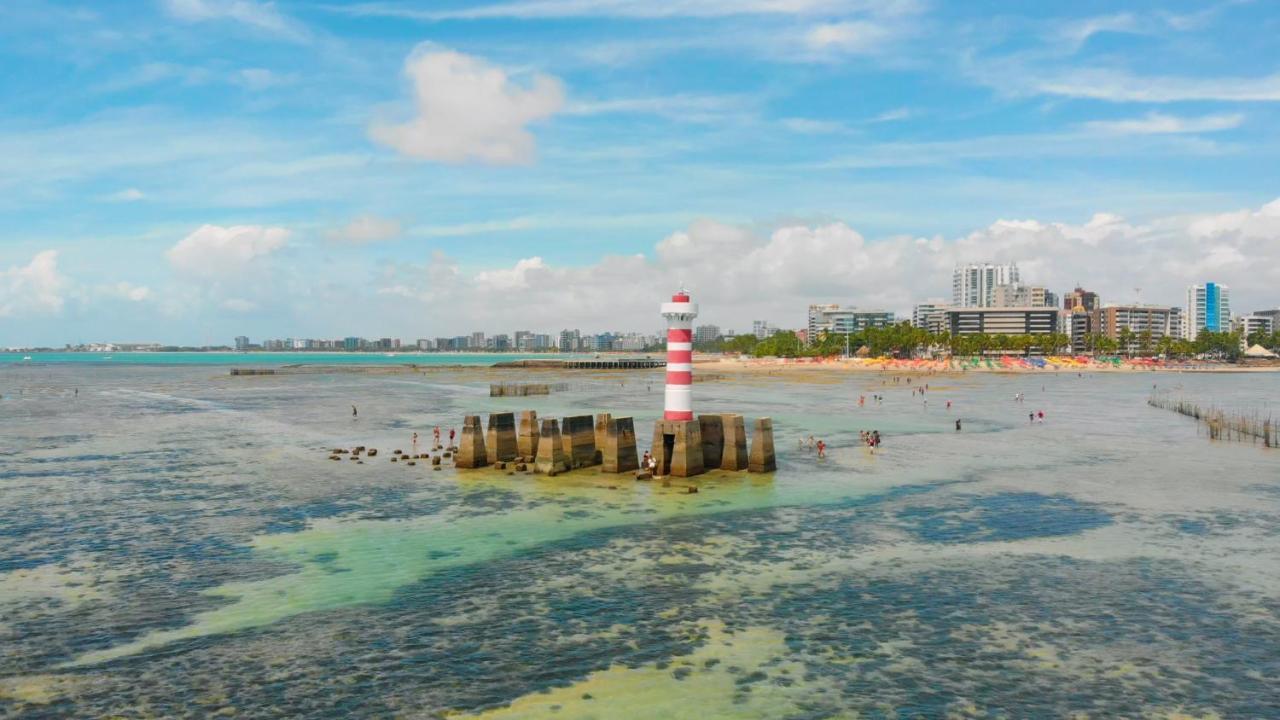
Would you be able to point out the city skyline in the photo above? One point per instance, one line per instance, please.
(199, 169)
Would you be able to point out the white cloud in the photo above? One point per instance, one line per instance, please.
(131, 292)
(853, 36)
(1119, 86)
(214, 251)
(1159, 123)
(542, 9)
(739, 274)
(127, 195)
(893, 115)
(809, 126)
(256, 78)
(34, 288)
(239, 305)
(261, 16)
(469, 110)
(366, 229)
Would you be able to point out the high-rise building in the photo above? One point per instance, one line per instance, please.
(1159, 320)
(842, 321)
(242, 343)
(1019, 295)
(501, 342)
(706, 334)
(974, 285)
(425, 344)
(1080, 324)
(476, 341)
(1002, 321)
(541, 342)
(1250, 324)
(1208, 308)
(1085, 299)
(762, 329)
(928, 315)
(570, 340)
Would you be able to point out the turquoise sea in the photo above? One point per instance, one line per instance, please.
(176, 543)
(270, 358)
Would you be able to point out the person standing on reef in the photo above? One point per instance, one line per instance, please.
(949, 406)
(957, 424)
(822, 449)
(1031, 417)
(354, 413)
(437, 435)
(415, 443)
(450, 437)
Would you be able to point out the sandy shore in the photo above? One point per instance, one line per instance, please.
(770, 366)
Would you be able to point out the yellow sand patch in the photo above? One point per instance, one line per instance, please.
(712, 686)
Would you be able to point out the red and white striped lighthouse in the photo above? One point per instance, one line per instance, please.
(679, 396)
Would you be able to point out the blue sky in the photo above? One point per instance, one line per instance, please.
(190, 170)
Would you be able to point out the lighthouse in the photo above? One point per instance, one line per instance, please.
(679, 396)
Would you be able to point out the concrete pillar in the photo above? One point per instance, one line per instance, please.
(470, 453)
(711, 427)
(550, 457)
(602, 434)
(578, 435)
(762, 458)
(527, 434)
(501, 440)
(734, 456)
(677, 448)
(620, 446)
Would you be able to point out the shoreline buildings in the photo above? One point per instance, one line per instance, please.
(1208, 308)
(844, 321)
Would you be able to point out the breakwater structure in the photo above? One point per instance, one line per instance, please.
(684, 445)
(525, 389)
(1221, 424)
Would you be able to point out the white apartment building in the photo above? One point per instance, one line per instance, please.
(835, 319)
(1208, 308)
(974, 285)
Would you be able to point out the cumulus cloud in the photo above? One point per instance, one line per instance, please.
(740, 274)
(365, 229)
(214, 251)
(34, 288)
(468, 110)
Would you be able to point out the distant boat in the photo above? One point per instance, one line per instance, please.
(26, 358)
(107, 357)
(389, 354)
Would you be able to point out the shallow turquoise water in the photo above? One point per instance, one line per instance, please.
(269, 358)
(175, 542)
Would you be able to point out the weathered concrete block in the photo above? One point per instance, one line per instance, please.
(550, 458)
(501, 440)
(471, 452)
(578, 435)
(762, 457)
(620, 446)
(711, 428)
(734, 456)
(677, 448)
(602, 434)
(527, 434)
